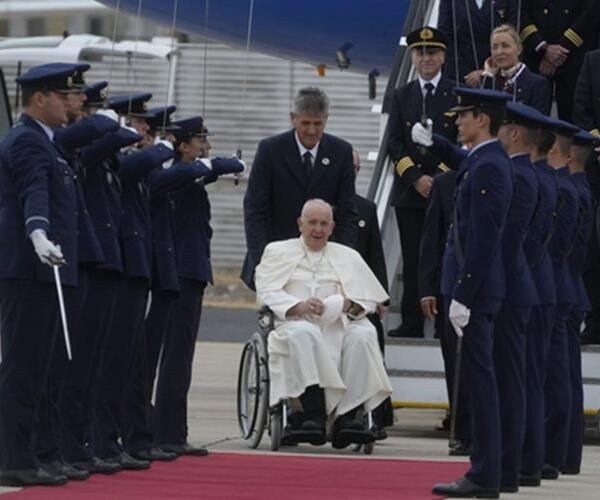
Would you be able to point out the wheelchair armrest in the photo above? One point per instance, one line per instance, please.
(266, 318)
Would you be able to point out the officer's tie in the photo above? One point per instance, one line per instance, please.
(307, 162)
(429, 88)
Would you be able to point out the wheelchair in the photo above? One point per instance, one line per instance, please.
(254, 413)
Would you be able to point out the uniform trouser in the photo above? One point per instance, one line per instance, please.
(591, 278)
(410, 225)
(480, 382)
(79, 388)
(28, 329)
(48, 438)
(558, 391)
(537, 344)
(122, 339)
(576, 431)
(564, 90)
(175, 373)
(509, 360)
(137, 414)
(447, 336)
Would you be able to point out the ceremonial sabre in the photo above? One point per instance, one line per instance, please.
(63, 314)
(455, 386)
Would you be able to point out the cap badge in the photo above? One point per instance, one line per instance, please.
(103, 94)
(69, 82)
(145, 106)
(426, 34)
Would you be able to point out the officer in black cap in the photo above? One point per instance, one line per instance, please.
(429, 97)
(473, 281)
(95, 94)
(38, 225)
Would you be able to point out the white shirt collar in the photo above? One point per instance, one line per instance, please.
(518, 154)
(484, 143)
(435, 80)
(49, 132)
(313, 152)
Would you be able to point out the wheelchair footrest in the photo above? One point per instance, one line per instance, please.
(293, 436)
(346, 437)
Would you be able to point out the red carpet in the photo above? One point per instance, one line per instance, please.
(265, 477)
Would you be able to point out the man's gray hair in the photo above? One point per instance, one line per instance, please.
(311, 100)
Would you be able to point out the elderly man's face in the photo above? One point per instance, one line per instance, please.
(428, 61)
(309, 127)
(316, 226)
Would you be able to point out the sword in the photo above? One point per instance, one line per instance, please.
(455, 386)
(63, 314)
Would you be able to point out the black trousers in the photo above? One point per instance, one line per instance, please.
(564, 90)
(175, 373)
(121, 342)
(137, 410)
(410, 226)
(28, 329)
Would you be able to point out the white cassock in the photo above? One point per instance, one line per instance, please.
(339, 354)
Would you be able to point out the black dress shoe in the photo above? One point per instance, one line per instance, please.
(463, 488)
(530, 479)
(127, 462)
(314, 424)
(57, 468)
(461, 448)
(30, 477)
(550, 472)
(184, 449)
(378, 433)
(570, 471)
(98, 466)
(406, 330)
(154, 454)
(509, 488)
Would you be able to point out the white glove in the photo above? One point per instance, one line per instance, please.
(422, 135)
(109, 113)
(206, 162)
(48, 252)
(459, 315)
(164, 142)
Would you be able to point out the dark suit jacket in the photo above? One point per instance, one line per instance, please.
(369, 244)
(586, 105)
(532, 89)
(438, 217)
(278, 188)
(505, 11)
(412, 161)
(37, 191)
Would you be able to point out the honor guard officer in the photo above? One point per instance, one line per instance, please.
(582, 147)
(38, 224)
(517, 136)
(125, 333)
(557, 387)
(429, 97)
(191, 235)
(556, 36)
(473, 281)
(102, 189)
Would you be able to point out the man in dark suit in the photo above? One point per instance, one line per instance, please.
(556, 34)
(473, 282)
(586, 115)
(291, 168)
(38, 227)
(427, 98)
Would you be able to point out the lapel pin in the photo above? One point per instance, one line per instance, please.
(325, 161)
(361, 223)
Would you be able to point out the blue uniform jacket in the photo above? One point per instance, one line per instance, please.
(162, 184)
(136, 231)
(192, 233)
(578, 256)
(37, 191)
(520, 285)
(483, 194)
(540, 232)
(567, 210)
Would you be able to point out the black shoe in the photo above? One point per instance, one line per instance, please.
(184, 449)
(460, 448)
(530, 479)
(98, 466)
(509, 488)
(314, 424)
(127, 462)
(30, 477)
(64, 469)
(549, 472)
(463, 488)
(349, 430)
(570, 471)
(152, 454)
(379, 434)
(406, 330)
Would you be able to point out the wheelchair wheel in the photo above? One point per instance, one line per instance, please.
(275, 429)
(253, 390)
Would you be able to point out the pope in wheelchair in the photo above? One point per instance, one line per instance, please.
(323, 357)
